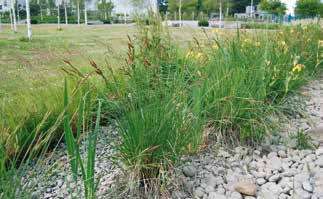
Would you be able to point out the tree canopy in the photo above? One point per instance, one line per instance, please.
(309, 8)
(273, 7)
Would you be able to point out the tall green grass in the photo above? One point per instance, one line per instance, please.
(83, 127)
(166, 97)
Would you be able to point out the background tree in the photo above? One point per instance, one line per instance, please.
(78, 4)
(106, 7)
(162, 6)
(275, 7)
(85, 12)
(13, 5)
(29, 34)
(65, 11)
(309, 8)
(1, 19)
(239, 6)
(58, 4)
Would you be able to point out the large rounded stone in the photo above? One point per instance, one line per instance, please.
(246, 187)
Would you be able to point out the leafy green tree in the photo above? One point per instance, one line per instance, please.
(275, 7)
(106, 7)
(162, 6)
(309, 8)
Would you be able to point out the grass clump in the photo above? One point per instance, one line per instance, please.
(232, 85)
(83, 126)
(158, 99)
(304, 141)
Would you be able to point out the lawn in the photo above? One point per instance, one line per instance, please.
(31, 75)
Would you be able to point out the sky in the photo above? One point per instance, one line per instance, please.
(290, 6)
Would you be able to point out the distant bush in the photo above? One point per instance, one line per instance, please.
(260, 26)
(33, 21)
(106, 21)
(53, 19)
(203, 23)
(23, 39)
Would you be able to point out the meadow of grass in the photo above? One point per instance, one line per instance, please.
(31, 75)
(169, 86)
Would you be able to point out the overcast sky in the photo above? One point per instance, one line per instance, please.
(290, 5)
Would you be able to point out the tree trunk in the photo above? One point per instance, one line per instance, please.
(105, 15)
(220, 14)
(29, 33)
(0, 21)
(18, 15)
(78, 12)
(47, 8)
(58, 18)
(180, 13)
(85, 15)
(11, 23)
(125, 16)
(65, 10)
(41, 12)
(14, 16)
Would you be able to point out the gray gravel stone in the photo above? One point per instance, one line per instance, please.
(307, 186)
(214, 195)
(261, 181)
(189, 171)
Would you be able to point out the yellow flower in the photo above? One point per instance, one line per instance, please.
(215, 31)
(247, 40)
(258, 43)
(321, 43)
(308, 40)
(304, 27)
(298, 68)
(199, 56)
(281, 32)
(199, 73)
(292, 31)
(282, 43)
(190, 54)
(215, 46)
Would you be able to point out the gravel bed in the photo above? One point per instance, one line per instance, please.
(55, 180)
(266, 172)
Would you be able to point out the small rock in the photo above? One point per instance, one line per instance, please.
(274, 163)
(246, 187)
(60, 183)
(199, 192)
(282, 154)
(188, 186)
(189, 171)
(319, 161)
(214, 195)
(48, 190)
(274, 178)
(35, 195)
(319, 151)
(307, 186)
(260, 181)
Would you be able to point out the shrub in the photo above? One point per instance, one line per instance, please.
(106, 21)
(260, 26)
(33, 21)
(203, 23)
